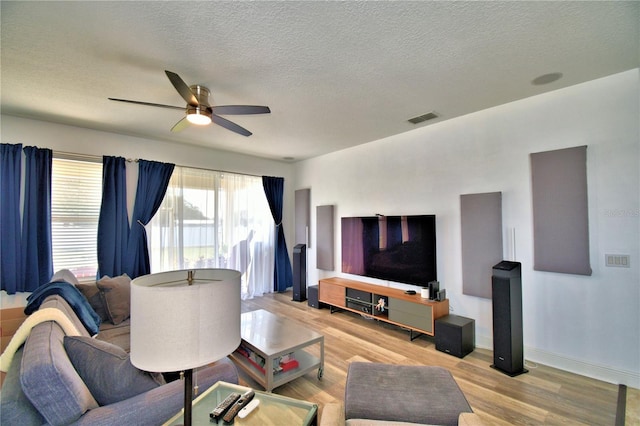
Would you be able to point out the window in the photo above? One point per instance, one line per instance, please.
(211, 219)
(76, 194)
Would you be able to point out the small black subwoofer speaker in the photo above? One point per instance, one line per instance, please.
(455, 335)
(300, 273)
(506, 285)
(312, 293)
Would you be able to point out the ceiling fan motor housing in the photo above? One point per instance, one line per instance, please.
(201, 93)
(195, 113)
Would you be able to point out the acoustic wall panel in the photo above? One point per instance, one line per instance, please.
(481, 232)
(560, 211)
(324, 238)
(303, 216)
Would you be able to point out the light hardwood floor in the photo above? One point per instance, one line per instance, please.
(544, 396)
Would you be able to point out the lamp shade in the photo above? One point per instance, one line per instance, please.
(184, 319)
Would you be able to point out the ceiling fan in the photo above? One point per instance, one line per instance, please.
(199, 111)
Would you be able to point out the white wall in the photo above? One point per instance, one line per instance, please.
(83, 141)
(589, 325)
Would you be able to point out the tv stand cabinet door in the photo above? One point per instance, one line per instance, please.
(332, 294)
(414, 315)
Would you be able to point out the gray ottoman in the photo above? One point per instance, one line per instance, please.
(407, 393)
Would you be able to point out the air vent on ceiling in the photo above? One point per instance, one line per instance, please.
(428, 116)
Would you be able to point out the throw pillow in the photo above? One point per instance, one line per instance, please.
(107, 370)
(116, 297)
(92, 293)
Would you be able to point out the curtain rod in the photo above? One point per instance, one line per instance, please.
(98, 158)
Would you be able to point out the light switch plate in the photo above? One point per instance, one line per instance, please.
(617, 260)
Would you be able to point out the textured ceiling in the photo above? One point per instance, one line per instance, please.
(335, 74)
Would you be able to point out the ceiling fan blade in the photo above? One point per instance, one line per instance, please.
(230, 125)
(240, 109)
(147, 103)
(181, 125)
(182, 88)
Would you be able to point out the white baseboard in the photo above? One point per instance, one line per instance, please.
(599, 372)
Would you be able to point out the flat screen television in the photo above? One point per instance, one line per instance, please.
(394, 248)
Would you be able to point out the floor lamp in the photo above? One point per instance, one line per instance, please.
(181, 320)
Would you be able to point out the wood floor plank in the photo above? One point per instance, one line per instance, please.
(632, 414)
(544, 396)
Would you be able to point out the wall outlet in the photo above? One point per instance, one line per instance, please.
(617, 260)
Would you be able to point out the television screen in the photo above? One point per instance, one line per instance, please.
(393, 248)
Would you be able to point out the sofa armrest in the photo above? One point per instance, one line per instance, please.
(160, 404)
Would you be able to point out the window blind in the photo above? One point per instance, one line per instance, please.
(76, 193)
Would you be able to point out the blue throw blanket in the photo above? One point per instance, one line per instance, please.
(74, 298)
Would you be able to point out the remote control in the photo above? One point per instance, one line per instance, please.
(249, 408)
(239, 405)
(222, 408)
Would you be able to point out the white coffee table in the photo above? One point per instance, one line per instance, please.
(271, 336)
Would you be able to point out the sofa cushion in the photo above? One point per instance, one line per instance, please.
(116, 296)
(404, 393)
(107, 370)
(92, 293)
(118, 335)
(48, 378)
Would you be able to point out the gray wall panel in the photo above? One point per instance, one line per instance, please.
(324, 237)
(481, 231)
(303, 216)
(560, 211)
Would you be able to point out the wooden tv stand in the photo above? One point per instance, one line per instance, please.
(404, 310)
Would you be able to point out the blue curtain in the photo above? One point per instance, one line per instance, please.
(10, 253)
(283, 274)
(153, 179)
(37, 260)
(113, 222)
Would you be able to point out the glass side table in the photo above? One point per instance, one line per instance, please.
(273, 410)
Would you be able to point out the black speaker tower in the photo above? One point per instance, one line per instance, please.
(506, 285)
(300, 273)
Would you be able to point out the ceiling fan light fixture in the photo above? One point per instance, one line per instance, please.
(198, 116)
(199, 110)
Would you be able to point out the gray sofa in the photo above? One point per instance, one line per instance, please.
(99, 387)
